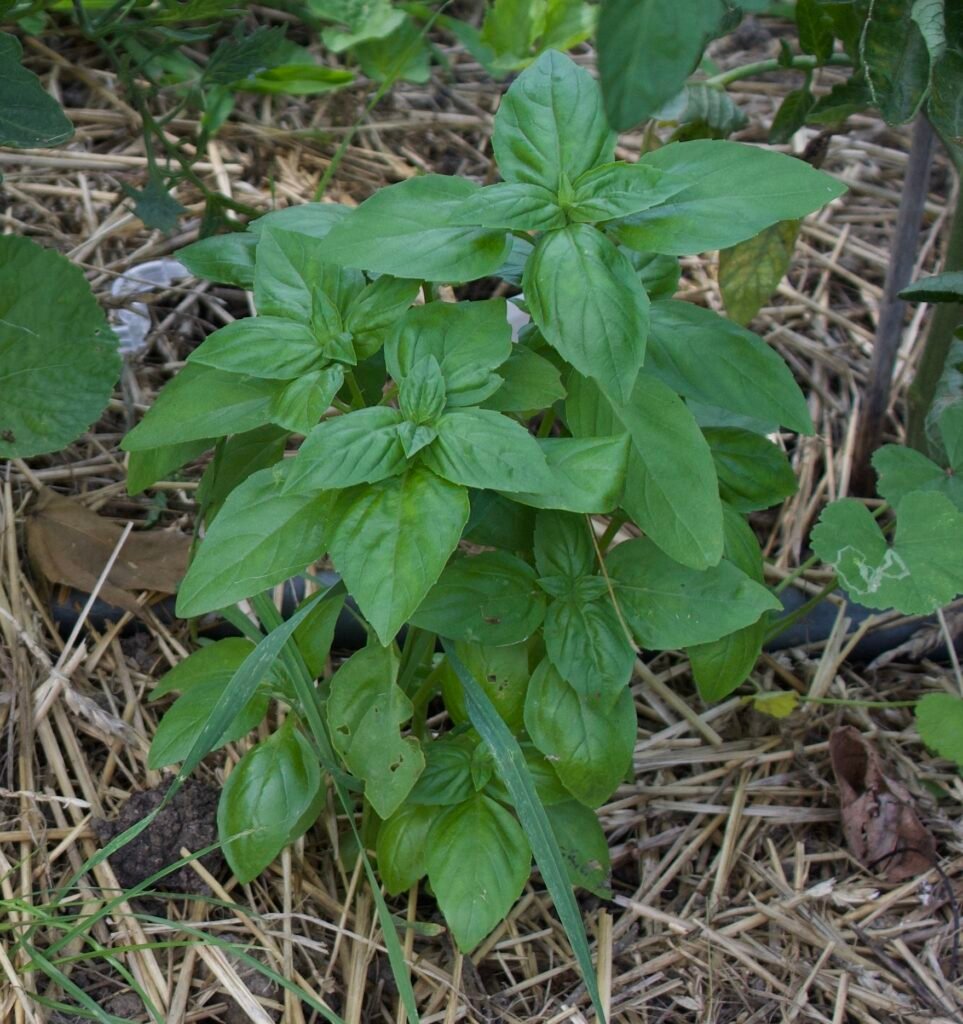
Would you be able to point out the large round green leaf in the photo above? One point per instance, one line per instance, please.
(58, 357)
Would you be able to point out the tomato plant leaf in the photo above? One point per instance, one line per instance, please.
(896, 59)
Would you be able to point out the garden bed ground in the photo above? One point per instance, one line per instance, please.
(735, 898)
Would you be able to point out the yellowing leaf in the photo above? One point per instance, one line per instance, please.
(777, 705)
(750, 271)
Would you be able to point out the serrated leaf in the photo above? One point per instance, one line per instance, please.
(589, 743)
(939, 719)
(904, 470)
(478, 862)
(390, 542)
(551, 124)
(921, 572)
(750, 271)
(895, 56)
(589, 304)
(366, 709)
(58, 357)
(491, 598)
(791, 116)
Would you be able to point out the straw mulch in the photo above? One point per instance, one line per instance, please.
(735, 898)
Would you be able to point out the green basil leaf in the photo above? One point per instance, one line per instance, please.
(751, 271)
(550, 124)
(312, 219)
(703, 356)
(502, 672)
(647, 49)
(376, 310)
(146, 467)
(227, 259)
(213, 663)
(670, 484)
(586, 642)
(315, 634)
(263, 346)
(421, 396)
(478, 862)
(753, 472)
(584, 847)
(619, 189)
(588, 474)
(304, 401)
(658, 273)
(468, 339)
(201, 402)
(178, 729)
(404, 55)
(358, 447)
(515, 206)
(389, 233)
(58, 357)
(391, 540)
(235, 459)
(589, 304)
(447, 778)
(531, 382)
(499, 522)
(402, 841)
(263, 535)
(922, 571)
(896, 59)
(736, 190)
(588, 742)
(563, 546)
(481, 448)
(366, 709)
(491, 598)
(31, 117)
(265, 798)
(294, 279)
(668, 605)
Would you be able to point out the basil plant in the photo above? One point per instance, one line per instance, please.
(451, 475)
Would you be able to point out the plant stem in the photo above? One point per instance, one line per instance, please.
(800, 63)
(889, 329)
(784, 622)
(946, 318)
(616, 522)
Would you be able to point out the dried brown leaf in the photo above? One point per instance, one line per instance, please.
(881, 826)
(69, 544)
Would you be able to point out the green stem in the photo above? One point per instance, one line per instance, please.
(616, 523)
(844, 703)
(801, 63)
(357, 397)
(548, 421)
(787, 621)
(946, 318)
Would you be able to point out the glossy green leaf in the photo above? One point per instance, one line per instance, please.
(703, 356)
(201, 402)
(402, 841)
(312, 219)
(263, 535)
(376, 309)
(750, 271)
(588, 742)
(658, 273)
(265, 798)
(939, 719)
(589, 304)
(531, 382)
(358, 447)
(647, 49)
(550, 124)
(515, 205)
(736, 192)
(482, 448)
(390, 542)
(235, 459)
(227, 259)
(478, 862)
(588, 474)
(563, 546)
(213, 663)
(29, 116)
(389, 233)
(447, 779)
(670, 486)
(946, 287)
(790, 117)
(315, 635)
(922, 571)
(366, 709)
(753, 472)
(58, 357)
(815, 28)
(263, 346)
(491, 598)
(468, 339)
(146, 467)
(584, 846)
(304, 401)
(619, 189)
(668, 605)
(502, 672)
(896, 59)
